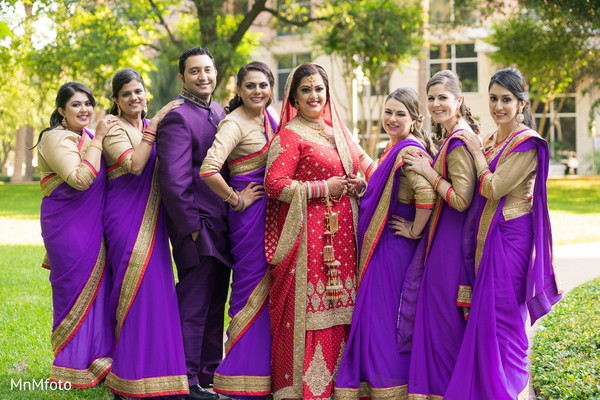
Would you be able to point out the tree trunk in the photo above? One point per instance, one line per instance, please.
(28, 154)
(19, 155)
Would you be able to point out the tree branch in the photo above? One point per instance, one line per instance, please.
(165, 25)
(301, 24)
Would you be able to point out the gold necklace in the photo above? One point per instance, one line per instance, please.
(262, 127)
(317, 127)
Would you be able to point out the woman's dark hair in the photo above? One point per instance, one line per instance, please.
(451, 83)
(303, 70)
(65, 92)
(513, 80)
(121, 78)
(410, 99)
(241, 76)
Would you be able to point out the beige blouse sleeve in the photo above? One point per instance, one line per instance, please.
(59, 153)
(462, 175)
(516, 169)
(117, 147)
(425, 196)
(229, 135)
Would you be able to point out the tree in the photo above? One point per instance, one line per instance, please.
(374, 36)
(545, 50)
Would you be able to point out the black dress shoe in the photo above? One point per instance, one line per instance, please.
(197, 392)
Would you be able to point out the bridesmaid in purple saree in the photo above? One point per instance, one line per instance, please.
(148, 360)
(74, 187)
(510, 258)
(242, 141)
(371, 366)
(439, 323)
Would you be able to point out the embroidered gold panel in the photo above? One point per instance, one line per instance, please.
(139, 254)
(69, 325)
(240, 384)
(156, 385)
(50, 184)
(82, 378)
(366, 390)
(250, 165)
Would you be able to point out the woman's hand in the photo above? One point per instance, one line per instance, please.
(337, 185)
(104, 125)
(400, 226)
(356, 186)
(153, 124)
(251, 193)
(417, 163)
(473, 142)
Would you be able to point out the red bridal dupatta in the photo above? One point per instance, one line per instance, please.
(309, 332)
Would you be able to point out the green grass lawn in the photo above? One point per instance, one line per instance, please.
(26, 315)
(574, 196)
(20, 201)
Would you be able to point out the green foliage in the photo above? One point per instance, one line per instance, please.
(376, 36)
(566, 349)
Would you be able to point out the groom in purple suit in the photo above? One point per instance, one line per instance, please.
(196, 218)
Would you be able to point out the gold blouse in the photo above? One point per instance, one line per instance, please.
(462, 175)
(120, 140)
(58, 154)
(514, 178)
(412, 186)
(237, 136)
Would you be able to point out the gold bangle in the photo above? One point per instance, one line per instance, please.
(230, 194)
(412, 234)
(95, 145)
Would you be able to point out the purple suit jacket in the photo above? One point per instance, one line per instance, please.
(183, 139)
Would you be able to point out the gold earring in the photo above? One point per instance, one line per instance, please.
(64, 122)
(412, 127)
(296, 105)
(146, 109)
(520, 116)
(118, 110)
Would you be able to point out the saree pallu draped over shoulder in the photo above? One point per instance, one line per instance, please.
(148, 359)
(429, 296)
(245, 373)
(372, 367)
(512, 266)
(71, 222)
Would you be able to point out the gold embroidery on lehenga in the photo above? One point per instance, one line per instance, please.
(69, 325)
(317, 376)
(82, 378)
(140, 252)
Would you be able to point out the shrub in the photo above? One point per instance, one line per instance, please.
(566, 350)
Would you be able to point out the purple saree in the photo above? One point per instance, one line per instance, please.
(245, 373)
(371, 365)
(71, 222)
(438, 322)
(148, 359)
(513, 270)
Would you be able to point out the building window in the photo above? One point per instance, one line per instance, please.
(443, 12)
(460, 58)
(285, 64)
(299, 10)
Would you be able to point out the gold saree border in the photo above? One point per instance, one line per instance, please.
(122, 167)
(82, 378)
(242, 385)
(366, 390)
(69, 326)
(50, 183)
(155, 386)
(246, 316)
(140, 254)
(413, 396)
(248, 164)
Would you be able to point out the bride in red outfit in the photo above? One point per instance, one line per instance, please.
(311, 237)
